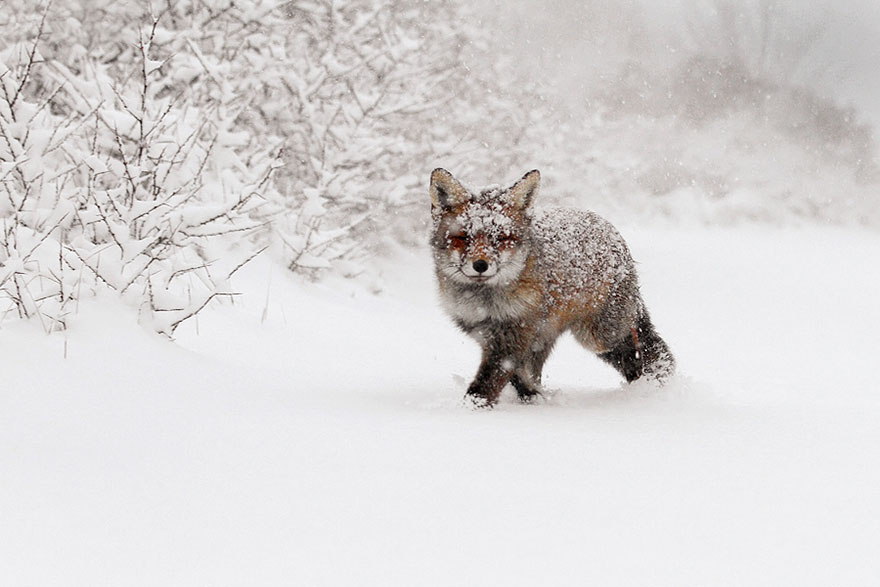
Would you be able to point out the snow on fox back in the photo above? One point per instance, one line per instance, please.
(578, 250)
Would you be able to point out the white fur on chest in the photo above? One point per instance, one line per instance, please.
(473, 306)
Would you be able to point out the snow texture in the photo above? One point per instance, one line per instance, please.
(316, 436)
(579, 250)
(486, 215)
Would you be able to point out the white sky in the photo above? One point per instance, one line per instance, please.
(572, 42)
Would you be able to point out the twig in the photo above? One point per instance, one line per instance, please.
(177, 323)
(245, 262)
(31, 60)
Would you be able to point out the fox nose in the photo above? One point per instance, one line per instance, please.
(480, 266)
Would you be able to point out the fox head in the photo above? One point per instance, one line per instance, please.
(481, 237)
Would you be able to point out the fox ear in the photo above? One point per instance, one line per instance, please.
(446, 191)
(524, 191)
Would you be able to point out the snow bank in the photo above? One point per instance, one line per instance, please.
(315, 436)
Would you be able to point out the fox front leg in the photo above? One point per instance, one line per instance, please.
(490, 381)
(525, 389)
(503, 362)
(527, 378)
(494, 373)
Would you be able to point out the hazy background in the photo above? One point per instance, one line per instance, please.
(831, 47)
(715, 111)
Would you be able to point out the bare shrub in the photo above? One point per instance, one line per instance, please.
(116, 183)
(152, 152)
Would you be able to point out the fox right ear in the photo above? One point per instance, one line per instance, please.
(446, 191)
(523, 192)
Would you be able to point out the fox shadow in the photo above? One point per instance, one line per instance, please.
(587, 398)
(636, 395)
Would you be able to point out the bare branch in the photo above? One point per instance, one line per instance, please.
(192, 313)
(31, 59)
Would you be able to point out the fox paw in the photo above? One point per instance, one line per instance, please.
(661, 369)
(477, 402)
(530, 396)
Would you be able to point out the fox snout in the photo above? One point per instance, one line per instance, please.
(479, 268)
(480, 261)
(480, 258)
(476, 258)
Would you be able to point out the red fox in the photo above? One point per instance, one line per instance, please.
(515, 279)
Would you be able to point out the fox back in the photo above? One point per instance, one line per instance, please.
(515, 278)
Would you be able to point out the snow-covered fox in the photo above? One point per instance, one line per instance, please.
(515, 279)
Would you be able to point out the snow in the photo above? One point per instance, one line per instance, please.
(315, 435)
(580, 249)
(487, 216)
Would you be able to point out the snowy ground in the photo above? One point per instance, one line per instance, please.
(314, 436)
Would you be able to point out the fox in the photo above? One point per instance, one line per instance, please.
(515, 278)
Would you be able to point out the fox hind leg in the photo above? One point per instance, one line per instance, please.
(626, 358)
(641, 353)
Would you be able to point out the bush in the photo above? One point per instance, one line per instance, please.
(114, 179)
(155, 157)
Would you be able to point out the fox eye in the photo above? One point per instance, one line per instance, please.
(457, 240)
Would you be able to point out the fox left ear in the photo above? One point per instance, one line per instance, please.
(524, 191)
(446, 191)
